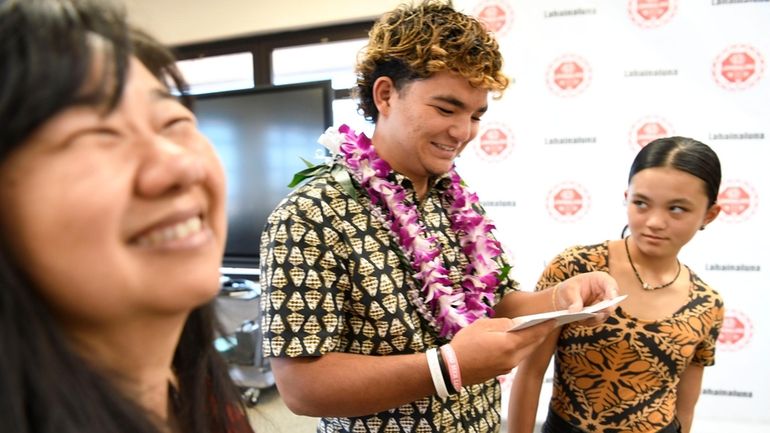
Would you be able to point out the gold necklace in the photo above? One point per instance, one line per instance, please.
(646, 286)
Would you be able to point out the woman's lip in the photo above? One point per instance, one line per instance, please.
(169, 221)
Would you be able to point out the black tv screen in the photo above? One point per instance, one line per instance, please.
(260, 135)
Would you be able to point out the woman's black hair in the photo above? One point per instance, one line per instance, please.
(48, 52)
(685, 154)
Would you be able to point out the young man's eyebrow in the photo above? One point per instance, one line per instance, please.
(458, 103)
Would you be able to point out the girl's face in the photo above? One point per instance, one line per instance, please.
(666, 207)
(118, 215)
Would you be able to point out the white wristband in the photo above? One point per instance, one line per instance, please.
(435, 373)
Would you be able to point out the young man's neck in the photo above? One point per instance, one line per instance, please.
(419, 183)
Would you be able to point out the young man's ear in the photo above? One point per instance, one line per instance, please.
(383, 92)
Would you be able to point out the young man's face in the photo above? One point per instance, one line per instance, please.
(423, 127)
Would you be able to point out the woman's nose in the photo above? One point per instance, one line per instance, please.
(169, 167)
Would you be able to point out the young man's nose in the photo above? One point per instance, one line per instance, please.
(462, 130)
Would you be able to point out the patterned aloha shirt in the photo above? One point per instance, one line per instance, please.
(622, 375)
(334, 282)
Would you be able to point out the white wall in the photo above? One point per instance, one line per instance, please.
(177, 22)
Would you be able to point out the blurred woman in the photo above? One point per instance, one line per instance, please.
(111, 234)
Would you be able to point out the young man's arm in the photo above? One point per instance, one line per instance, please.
(344, 385)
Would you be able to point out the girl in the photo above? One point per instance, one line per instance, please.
(111, 234)
(641, 369)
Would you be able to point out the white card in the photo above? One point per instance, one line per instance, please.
(563, 316)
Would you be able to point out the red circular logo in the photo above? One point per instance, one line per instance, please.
(738, 67)
(736, 331)
(651, 13)
(568, 202)
(647, 129)
(569, 75)
(738, 200)
(495, 142)
(497, 16)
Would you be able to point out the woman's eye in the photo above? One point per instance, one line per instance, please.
(178, 124)
(99, 136)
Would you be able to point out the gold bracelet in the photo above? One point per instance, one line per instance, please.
(553, 297)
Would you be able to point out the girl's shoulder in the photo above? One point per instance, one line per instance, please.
(703, 289)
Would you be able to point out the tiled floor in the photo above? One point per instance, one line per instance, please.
(270, 415)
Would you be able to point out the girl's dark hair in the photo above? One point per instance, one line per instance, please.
(685, 154)
(47, 53)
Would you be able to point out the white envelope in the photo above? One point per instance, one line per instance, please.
(563, 316)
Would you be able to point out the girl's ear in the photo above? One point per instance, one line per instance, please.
(711, 214)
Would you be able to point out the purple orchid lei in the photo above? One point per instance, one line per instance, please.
(455, 308)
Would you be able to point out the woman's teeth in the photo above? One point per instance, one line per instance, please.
(172, 233)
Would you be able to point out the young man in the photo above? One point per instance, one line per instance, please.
(384, 256)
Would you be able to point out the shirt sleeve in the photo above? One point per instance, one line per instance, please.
(557, 271)
(303, 281)
(705, 351)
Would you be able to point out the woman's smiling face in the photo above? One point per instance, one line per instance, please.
(117, 213)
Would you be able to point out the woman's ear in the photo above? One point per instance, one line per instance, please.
(383, 92)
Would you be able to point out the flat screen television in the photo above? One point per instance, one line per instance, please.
(260, 135)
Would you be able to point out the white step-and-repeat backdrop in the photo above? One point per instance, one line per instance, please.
(595, 81)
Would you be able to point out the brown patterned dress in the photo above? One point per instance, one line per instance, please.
(622, 375)
(334, 282)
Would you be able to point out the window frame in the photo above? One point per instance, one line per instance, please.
(262, 46)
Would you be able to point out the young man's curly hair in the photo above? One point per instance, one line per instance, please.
(415, 41)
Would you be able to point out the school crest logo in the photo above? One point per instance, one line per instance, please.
(738, 67)
(738, 200)
(495, 142)
(737, 331)
(568, 202)
(569, 75)
(647, 129)
(651, 13)
(496, 15)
